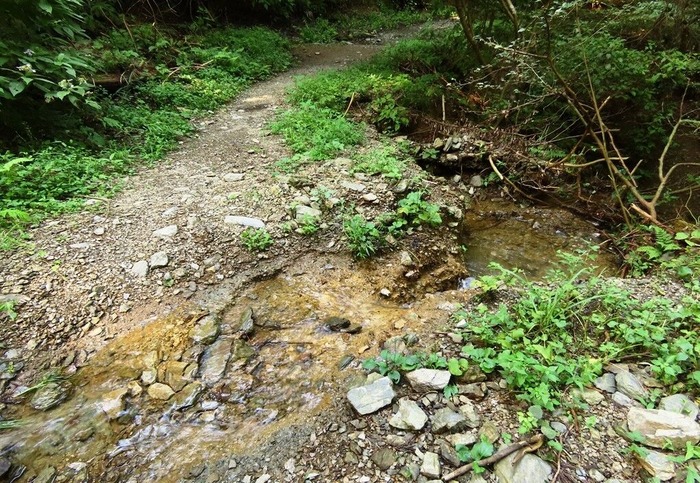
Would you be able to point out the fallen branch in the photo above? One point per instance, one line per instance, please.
(532, 444)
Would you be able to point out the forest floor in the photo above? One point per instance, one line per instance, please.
(110, 293)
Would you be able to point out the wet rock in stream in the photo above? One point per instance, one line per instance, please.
(51, 395)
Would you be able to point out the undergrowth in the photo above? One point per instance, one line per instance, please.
(559, 334)
(171, 78)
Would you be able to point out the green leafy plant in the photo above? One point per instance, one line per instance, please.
(480, 450)
(308, 225)
(414, 209)
(363, 236)
(380, 161)
(8, 309)
(392, 364)
(256, 239)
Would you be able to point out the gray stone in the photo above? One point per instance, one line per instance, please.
(247, 327)
(468, 410)
(606, 383)
(659, 428)
(401, 186)
(624, 400)
(409, 416)
(629, 385)
(113, 403)
(681, 404)
(431, 465)
(148, 377)
(50, 395)
(359, 187)
(206, 331)
(159, 260)
(47, 475)
(302, 212)
(166, 232)
(244, 221)
(476, 181)
(467, 439)
(559, 427)
(490, 432)
(170, 212)
(214, 361)
(590, 396)
(139, 269)
(657, 465)
(448, 453)
(233, 177)
(530, 469)
(446, 420)
(406, 259)
(384, 458)
(372, 397)
(370, 197)
(160, 391)
(426, 380)
(188, 396)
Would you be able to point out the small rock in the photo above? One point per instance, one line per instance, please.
(50, 395)
(630, 385)
(426, 380)
(47, 475)
(590, 396)
(530, 469)
(448, 453)
(431, 465)
(385, 292)
(170, 212)
(166, 232)
(359, 187)
(140, 269)
(409, 416)
(681, 404)
(215, 360)
(476, 181)
(233, 177)
(206, 331)
(468, 410)
(406, 259)
(623, 400)
(159, 260)
(113, 403)
(661, 428)
(188, 396)
(99, 231)
(148, 377)
(303, 212)
(657, 465)
(446, 420)
(467, 439)
(5, 465)
(490, 432)
(244, 221)
(247, 326)
(401, 186)
(336, 324)
(372, 397)
(384, 458)
(369, 197)
(606, 382)
(160, 391)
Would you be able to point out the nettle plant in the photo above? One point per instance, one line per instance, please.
(560, 333)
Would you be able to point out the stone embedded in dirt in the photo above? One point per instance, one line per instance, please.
(336, 324)
(233, 177)
(134, 388)
(384, 458)
(490, 432)
(244, 221)
(349, 185)
(139, 269)
(590, 396)
(426, 380)
(50, 395)
(406, 259)
(166, 232)
(170, 212)
(467, 439)
(448, 452)
(160, 391)
(606, 383)
(401, 186)
(369, 197)
(658, 465)
(468, 410)
(188, 396)
(148, 377)
(372, 397)
(113, 403)
(247, 326)
(529, 469)
(681, 404)
(476, 181)
(660, 428)
(303, 211)
(214, 361)
(409, 416)
(629, 385)
(99, 231)
(431, 465)
(624, 400)
(173, 374)
(206, 331)
(446, 420)
(159, 260)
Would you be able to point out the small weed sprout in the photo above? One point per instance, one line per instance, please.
(308, 225)
(256, 239)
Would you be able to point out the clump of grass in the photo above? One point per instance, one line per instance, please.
(256, 239)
